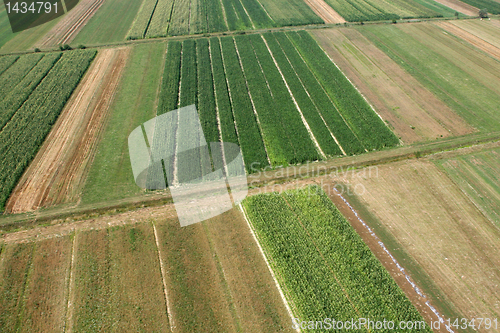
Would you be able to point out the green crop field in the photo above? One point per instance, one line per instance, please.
(42, 85)
(491, 6)
(305, 90)
(321, 262)
(375, 10)
(448, 67)
(477, 176)
(159, 18)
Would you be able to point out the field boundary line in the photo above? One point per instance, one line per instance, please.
(224, 14)
(282, 295)
(246, 12)
(251, 99)
(272, 20)
(304, 121)
(68, 320)
(171, 322)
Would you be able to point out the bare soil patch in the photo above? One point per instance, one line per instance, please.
(323, 10)
(58, 172)
(460, 7)
(442, 231)
(67, 29)
(414, 112)
(470, 38)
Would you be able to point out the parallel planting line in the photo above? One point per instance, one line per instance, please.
(325, 92)
(163, 277)
(312, 100)
(313, 138)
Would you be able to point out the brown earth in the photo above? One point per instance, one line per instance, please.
(45, 297)
(58, 172)
(441, 230)
(414, 112)
(323, 10)
(470, 38)
(460, 7)
(67, 28)
(485, 30)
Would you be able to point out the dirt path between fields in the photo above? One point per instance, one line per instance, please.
(60, 228)
(323, 10)
(58, 172)
(471, 38)
(460, 7)
(67, 29)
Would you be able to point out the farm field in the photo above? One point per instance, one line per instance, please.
(158, 18)
(70, 25)
(376, 10)
(135, 102)
(110, 23)
(477, 176)
(444, 242)
(456, 69)
(321, 262)
(58, 172)
(328, 117)
(96, 278)
(42, 87)
(413, 111)
(481, 34)
(460, 7)
(492, 6)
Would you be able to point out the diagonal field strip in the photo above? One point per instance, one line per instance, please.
(326, 263)
(252, 230)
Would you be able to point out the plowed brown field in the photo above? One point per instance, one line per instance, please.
(323, 10)
(58, 172)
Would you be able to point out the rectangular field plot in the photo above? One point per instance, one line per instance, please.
(33, 287)
(375, 10)
(159, 18)
(41, 88)
(321, 263)
(216, 278)
(477, 176)
(282, 103)
(118, 281)
(466, 80)
(414, 112)
(446, 244)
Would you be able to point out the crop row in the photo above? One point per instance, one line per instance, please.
(324, 266)
(6, 62)
(22, 136)
(142, 20)
(159, 20)
(12, 76)
(327, 109)
(303, 99)
(369, 128)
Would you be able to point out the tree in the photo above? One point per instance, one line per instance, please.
(483, 13)
(456, 15)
